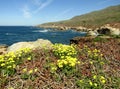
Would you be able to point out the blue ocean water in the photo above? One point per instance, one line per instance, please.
(13, 34)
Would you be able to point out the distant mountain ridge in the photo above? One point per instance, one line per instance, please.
(95, 19)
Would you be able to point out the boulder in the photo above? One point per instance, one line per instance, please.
(92, 33)
(109, 30)
(40, 43)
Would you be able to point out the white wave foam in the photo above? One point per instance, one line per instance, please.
(10, 34)
(41, 30)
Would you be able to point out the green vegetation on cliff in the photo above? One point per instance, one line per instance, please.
(108, 15)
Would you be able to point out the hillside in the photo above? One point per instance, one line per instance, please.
(94, 19)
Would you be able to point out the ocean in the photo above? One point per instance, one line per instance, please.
(13, 34)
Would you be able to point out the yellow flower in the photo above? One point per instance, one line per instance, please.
(102, 63)
(94, 77)
(65, 62)
(29, 58)
(30, 72)
(60, 65)
(101, 55)
(91, 62)
(95, 84)
(103, 81)
(14, 65)
(81, 81)
(35, 70)
(9, 67)
(24, 70)
(78, 62)
(72, 64)
(54, 68)
(101, 77)
(90, 82)
(1, 56)
(89, 51)
(95, 50)
(2, 60)
(3, 64)
(10, 88)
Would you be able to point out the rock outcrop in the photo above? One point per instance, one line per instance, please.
(92, 33)
(40, 43)
(109, 30)
(54, 27)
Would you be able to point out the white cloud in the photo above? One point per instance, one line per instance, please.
(42, 5)
(39, 4)
(26, 12)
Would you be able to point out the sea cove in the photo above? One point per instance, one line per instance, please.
(13, 34)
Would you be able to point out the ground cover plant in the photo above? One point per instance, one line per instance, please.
(62, 67)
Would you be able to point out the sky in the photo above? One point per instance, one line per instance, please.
(34, 12)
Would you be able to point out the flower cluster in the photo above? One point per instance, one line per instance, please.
(9, 61)
(29, 73)
(62, 51)
(94, 54)
(97, 82)
(67, 56)
(69, 61)
(25, 70)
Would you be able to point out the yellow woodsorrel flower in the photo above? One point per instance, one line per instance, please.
(102, 79)
(14, 65)
(81, 81)
(94, 77)
(10, 88)
(95, 84)
(90, 82)
(24, 70)
(30, 71)
(29, 58)
(36, 69)
(3, 64)
(8, 67)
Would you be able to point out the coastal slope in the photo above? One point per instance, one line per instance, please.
(92, 20)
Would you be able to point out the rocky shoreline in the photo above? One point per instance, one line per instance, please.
(108, 29)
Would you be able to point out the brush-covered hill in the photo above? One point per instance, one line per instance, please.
(95, 19)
